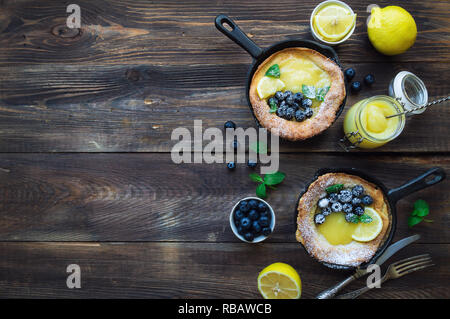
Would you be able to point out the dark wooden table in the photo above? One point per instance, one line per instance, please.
(86, 175)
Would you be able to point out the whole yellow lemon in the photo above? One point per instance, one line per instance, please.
(392, 30)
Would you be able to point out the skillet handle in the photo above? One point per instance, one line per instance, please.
(237, 35)
(417, 184)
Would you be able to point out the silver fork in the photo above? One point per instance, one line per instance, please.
(396, 270)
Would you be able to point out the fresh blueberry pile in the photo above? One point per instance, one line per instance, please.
(349, 201)
(252, 219)
(290, 106)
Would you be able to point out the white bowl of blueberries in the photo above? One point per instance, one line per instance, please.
(252, 220)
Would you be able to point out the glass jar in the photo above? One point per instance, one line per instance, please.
(410, 90)
(366, 125)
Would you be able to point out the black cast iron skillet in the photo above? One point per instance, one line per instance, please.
(260, 55)
(431, 177)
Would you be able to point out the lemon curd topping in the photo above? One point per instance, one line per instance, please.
(337, 230)
(374, 121)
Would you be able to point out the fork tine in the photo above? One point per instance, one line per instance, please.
(414, 266)
(410, 258)
(412, 262)
(416, 269)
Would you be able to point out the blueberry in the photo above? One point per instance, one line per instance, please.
(347, 208)
(235, 144)
(355, 87)
(356, 201)
(288, 94)
(323, 202)
(245, 223)
(326, 211)
(290, 100)
(238, 214)
(266, 231)
(306, 103)
(300, 115)
(253, 204)
(243, 206)
(369, 79)
(264, 221)
(231, 165)
(240, 230)
(349, 74)
(295, 106)
(351, 218)
(289, 114)
(256, 227)
(237, 222)
(358, 210)
(253, 215)
(229, 124)
(298, 97)
(367, 200)
(309, 112)
(333, 198)
(319, 219)
(262, 207)
(251, 163)
(358, 190)
(336, 207)
(248, 236)
(279, 96)
(345, 196)
(281, 112)
(265, 214)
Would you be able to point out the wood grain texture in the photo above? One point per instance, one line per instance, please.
(189, 270)
(145, 197)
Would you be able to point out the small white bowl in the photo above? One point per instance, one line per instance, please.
(260, 238)
(316, 35)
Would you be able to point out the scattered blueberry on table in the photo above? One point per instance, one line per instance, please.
(251, 164)
(369, 79)
(355, 87)
(230, 124)
(349, 74)
(231, 165)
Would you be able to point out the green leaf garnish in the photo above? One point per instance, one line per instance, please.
(274, 71)
(421, 209)
(261, 191)
(256, 178)
(321, 92)
(273, 106)
(365, 219)
(309, 91)
(354, 219)
(334, 188)
(274, 178)
(269, 180)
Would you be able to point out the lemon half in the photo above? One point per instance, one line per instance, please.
(268, 86)
(365, 232)
(334, 22)
(279, 281)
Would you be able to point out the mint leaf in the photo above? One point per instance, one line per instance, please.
(309, 91)
(414, 220)
(274, 71)
(274, 178)
(421, 208)
(259, 147)
(255, 177)
(334, 188)
(354, 219)
(321, 93)
(261, 191)
(273, 106)
(365, 219)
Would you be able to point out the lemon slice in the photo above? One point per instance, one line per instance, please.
(368, 231)
(334, 22)
(268, 86)
(279, 281)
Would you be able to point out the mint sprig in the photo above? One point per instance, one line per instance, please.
(311, 92)
(269, 180)
(321, 92)
(421, 210)
(273, 106)
(334, 188)
(273, 71)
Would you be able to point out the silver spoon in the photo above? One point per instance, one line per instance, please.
(421, 107)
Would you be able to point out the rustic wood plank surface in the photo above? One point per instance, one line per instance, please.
(189, 270)
(86, 176)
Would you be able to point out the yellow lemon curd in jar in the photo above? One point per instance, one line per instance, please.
(372, 123)
(337, 230)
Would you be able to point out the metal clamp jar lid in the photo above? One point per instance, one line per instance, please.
(410, 91)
